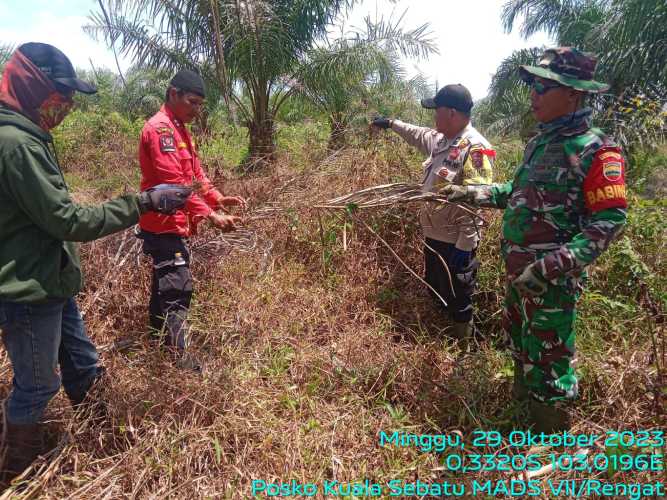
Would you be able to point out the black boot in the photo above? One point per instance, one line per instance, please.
(24, 444)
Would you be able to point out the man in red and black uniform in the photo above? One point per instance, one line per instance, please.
(167, 155)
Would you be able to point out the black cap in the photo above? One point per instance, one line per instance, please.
(189, 81)
(55, 65)
(454, 96)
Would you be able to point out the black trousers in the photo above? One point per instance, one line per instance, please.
(171, 288)
(458, 293)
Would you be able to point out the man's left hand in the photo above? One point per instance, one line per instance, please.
(164, 198)
(530, 282)
(458, 194)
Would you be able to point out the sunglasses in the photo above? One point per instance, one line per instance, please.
(541, 88)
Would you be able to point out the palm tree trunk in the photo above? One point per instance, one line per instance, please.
(262, 142)
(337, 135)
(202, 123)
(261, 128)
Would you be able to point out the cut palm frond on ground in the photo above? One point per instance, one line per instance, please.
(241, 240)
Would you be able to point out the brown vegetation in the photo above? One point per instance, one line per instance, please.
(314, 341)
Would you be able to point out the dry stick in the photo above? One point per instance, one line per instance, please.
(113, 280)
(392, 194)
(401, 260)
(319, 220)
(344, 237)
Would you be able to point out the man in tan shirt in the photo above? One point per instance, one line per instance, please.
(457, 154)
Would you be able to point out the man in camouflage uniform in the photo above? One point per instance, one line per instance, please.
(563, 208)
(458, 154)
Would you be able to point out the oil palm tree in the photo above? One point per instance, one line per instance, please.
(629, 37)
(6, 51)
(248, 49)
(339, 77)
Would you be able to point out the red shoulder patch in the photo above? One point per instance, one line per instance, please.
(167, 144)
(604, 186)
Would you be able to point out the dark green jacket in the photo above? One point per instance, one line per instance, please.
(38, 219)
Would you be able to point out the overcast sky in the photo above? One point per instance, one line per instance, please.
(468, 33)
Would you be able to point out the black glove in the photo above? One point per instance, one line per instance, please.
(164, 198)
(381, 122)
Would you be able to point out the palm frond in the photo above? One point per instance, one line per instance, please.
(6, 51)
(506, 76)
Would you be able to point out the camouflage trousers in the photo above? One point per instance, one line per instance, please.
(541, 338)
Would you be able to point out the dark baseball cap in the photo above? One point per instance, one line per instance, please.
(454, 96)
(55, 65)
(189, 81)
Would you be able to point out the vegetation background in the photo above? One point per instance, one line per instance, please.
(315, 337)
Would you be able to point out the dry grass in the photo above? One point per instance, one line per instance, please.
(313, 343)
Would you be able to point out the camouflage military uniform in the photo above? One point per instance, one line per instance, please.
(564, 206)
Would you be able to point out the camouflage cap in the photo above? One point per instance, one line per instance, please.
(567, 66)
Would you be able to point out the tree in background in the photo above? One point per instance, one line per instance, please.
(506, 109)
(248, 50)
(6, 51)
(630, 39)
(340, 78)
(143, 92)
(629, 36)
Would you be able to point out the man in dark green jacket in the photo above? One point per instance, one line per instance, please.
(40, 274)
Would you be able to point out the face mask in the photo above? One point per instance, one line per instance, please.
(54, 110)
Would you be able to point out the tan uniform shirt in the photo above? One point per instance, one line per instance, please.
(466, 159)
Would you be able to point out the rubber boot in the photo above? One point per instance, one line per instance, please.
(548, 418)
(24, 444)
(519, 388)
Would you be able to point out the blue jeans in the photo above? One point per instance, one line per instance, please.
(39, 338)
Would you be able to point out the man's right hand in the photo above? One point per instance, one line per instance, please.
(381, 122)
(225, 223)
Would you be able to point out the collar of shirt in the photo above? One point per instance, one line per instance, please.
(446, 143)
(180, 127)
(571, 124)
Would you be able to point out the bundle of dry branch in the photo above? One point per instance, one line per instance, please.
(384, 195)
(391, 195)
